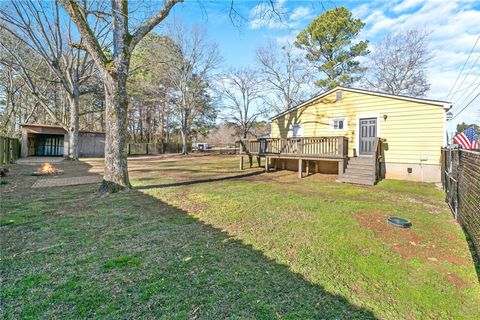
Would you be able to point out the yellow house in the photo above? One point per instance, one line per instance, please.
(412, 130)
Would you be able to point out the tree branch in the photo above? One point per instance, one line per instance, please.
(151, 23)
(78, 16)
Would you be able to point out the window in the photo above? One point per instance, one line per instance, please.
(296, 130)
(338, 124)
(338, 96)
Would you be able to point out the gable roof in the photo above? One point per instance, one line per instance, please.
(444, 104)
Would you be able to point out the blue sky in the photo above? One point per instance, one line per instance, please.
(455, 26)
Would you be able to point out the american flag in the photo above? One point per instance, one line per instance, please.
(467, 139)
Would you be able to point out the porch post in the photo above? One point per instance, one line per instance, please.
(307, 167)
(341, 167)
(266, 164)
(250, 161)
(241, 162)
(340, 147)
(300, 169)
(259, 161)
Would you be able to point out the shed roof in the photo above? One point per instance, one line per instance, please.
(444, 104)
(52, 126)
(38, 125)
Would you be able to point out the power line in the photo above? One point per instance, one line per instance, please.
(469, 94)
(463, 89)
(469, 73)
(478, 94)
(463, 67)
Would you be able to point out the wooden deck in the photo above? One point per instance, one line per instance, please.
(363, 170)
(304, 149)
(314, 148)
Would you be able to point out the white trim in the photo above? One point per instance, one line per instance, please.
(357, 128)
(445, 132)
(444, 104)
(345, 124)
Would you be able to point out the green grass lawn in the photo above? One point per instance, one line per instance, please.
(188, 243)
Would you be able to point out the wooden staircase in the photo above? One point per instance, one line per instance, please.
(360, 170)
(365, 169)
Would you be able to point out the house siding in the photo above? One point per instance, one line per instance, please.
(413, 130)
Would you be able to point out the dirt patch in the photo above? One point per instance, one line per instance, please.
(452, 277)
(291, 253)
(377, 221)
(406, 242)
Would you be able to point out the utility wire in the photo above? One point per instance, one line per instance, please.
(478, 94)
(463, 89)
(468, 74)
(470, 93)
(463, 67)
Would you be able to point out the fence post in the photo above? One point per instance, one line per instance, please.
(457, 202)
(7, 151)
(2, 148)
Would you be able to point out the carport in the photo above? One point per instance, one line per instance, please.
(40, 140)
(43, 140)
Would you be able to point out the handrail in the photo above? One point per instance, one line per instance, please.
(378, 156)
(299, 146)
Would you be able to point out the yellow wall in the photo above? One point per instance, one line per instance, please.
(413, 130)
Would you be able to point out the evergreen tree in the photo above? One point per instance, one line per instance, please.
(329, 42)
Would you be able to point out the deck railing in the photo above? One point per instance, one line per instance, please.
(378, 156)
(301, 147)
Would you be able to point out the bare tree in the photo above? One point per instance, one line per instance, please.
(40, 26)
(242, 93)
(286, 74)
(33, 73)
(398, 64)
(192, 70)
(114, 69)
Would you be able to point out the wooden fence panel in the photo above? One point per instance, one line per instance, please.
(9, 150)
(153, 148)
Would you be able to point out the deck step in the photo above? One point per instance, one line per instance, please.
(360, 166)
(359, 170)
(359, 175)
(360, 160)
(357, 180)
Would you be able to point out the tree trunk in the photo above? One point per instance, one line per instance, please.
(74, 126)
(184, 140)
(185, 132)
(116, 171)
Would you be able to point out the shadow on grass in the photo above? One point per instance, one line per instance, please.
(130, 255)
(475, 254)
(199, 181)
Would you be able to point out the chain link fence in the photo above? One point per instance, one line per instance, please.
(461, 182)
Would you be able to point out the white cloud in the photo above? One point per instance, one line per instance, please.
(454, 27)
(301, 13)
(262, 16)
(361, 11)
(407, 4)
